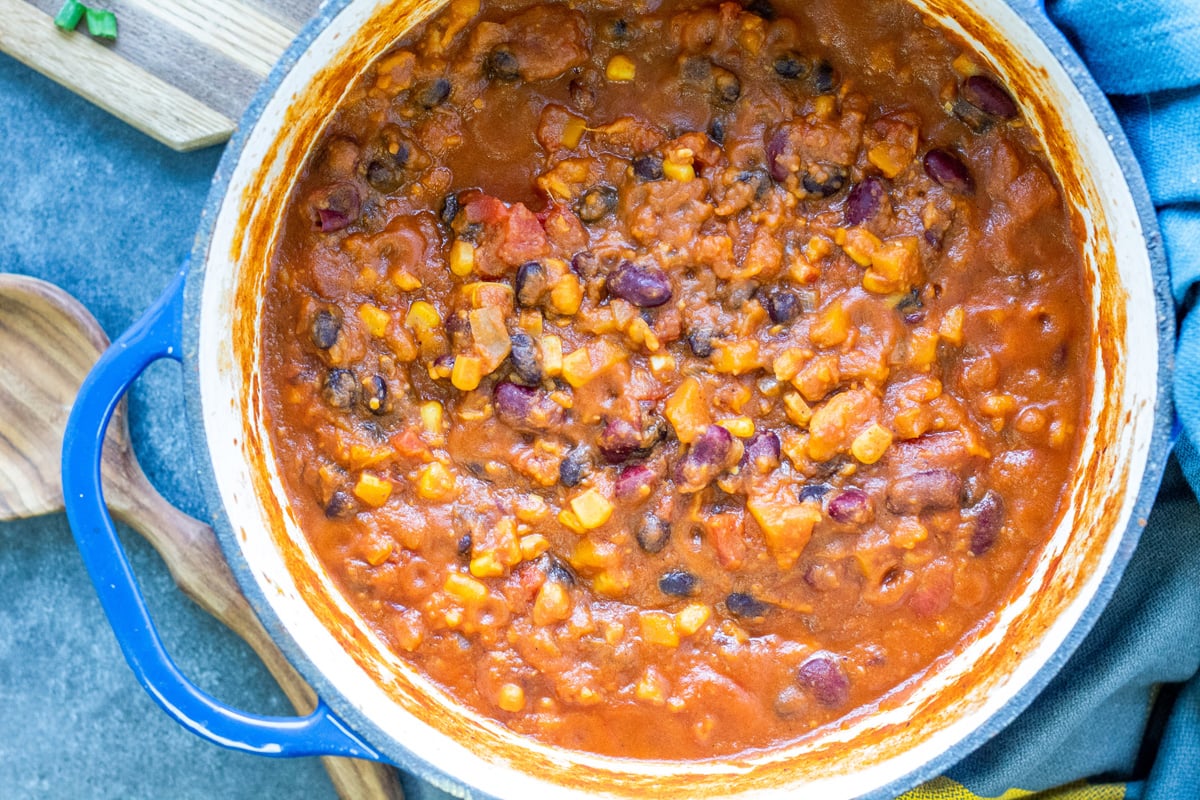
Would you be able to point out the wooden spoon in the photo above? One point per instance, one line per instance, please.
(48, 343)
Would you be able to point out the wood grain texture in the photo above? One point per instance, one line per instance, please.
(48, 344)
(181, 71)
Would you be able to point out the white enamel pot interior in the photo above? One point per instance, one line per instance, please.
(966, 697)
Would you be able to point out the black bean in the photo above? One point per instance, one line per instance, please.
(653, 534)
(619, 31)
(596, 204)
(928, 490)
(789, 702)
(340, 389)
(375, 394)
(324, 329)
(525, 409)
(825, 180)
(586, 264)
(696, 69)
(634, 483)
(449, 209)
(677, 583)
(433, 93)
(910, 303)
(948, 171)
(814, 491)
(464, 544)
(458, 328)
(525, 360)
(716, 131)
(583, 96)
(782, 306)
(987, 520)
(574, 467)
(557, 571)
(501, 65)
(530, 284)
(648, 167)
(791, 65)
(851, 506)
(823, 678)
(825, 77)
(762, 8)
(989, 97)
(700, 340)
(762, 451)
(705, 459)
(619, 440)
(726, 86)
(745, 605)
(864, 200)
(644, 287)
(341, 504)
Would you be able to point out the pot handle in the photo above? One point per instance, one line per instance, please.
(158, 334)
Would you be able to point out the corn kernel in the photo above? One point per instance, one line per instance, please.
(860, 244)
(375, 318)
(467, 373)
(909, 533)
(435, 482)
(465, 588)
(869, 446)
(620, 69)
(890, 159)
(589, 555)
(573, 132)
(677, 166)
(378, 551)
(692, 618)
(552, 604)
(462, 258)
(569, 520)
(533, 546)
(552, 355)
(566, 295)
(611, 584)
(531, 508)
(741, 427)
(591, 508)
(423, 316)
(577, 367)
(652, 687)
(405, 281)
(658, 627)
(662, 364)
(432, 417)
(372, 490)
(486, 565)
(788, 364)
(951, 328)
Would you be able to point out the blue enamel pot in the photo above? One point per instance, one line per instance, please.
(375, 706)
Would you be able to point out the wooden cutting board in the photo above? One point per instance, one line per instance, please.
(181, 71)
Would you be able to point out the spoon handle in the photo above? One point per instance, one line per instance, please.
(190, 550)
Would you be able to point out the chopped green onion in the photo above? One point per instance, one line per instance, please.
(102, 23)
(70, 15)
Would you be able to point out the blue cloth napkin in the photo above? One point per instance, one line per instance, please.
(1123, 716)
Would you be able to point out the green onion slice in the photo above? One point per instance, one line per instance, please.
(101, 23)
(69, 16)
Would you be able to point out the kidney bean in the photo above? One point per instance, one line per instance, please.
(653, 534)
(782, 306)
(705, 460)
(791, 65)
(929, 490)
(634, 483)
(825, 680)
(324, 329)
(530, 285)
(988, 519)
(852, 507)
(337, 207)
(947, 170)
(501, 65)
(763, 451)
(648, 167)
(574, 467)
(745, 605)
(340, 389)
(341, 504)
(814, 491)
(989, 97)
(775, 147)
(864, 200)
(644, 287)
(826, 181)
(727, 88)
(375, 395)
(677, 583)
(526, 409)
(596, 203)
(525, 360)
(619, 440)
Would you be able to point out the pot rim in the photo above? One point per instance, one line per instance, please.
(1161, 439)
